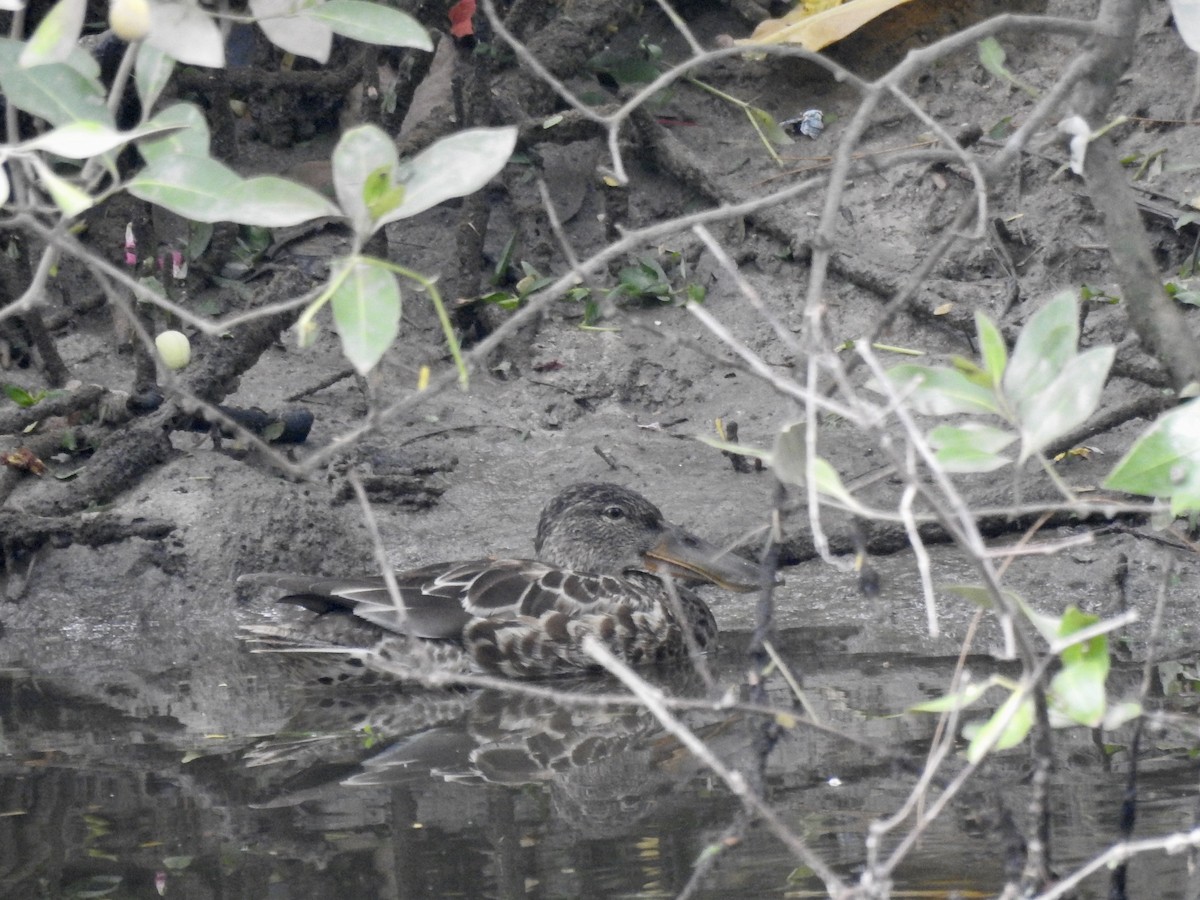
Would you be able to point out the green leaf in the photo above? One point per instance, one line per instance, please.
(78, 59)
(991, 54)
(202, 189)
(56, 92)
(195, 187)
(287, 27)
(363, 154)
(1009, 735)
(642, 281)
(56, 35)
(151, 72)
(80, 140)
(1044, 346)
(1120, 713)
(769, 127)
(789, 455)
(1073, 621)
(454, 166)
(1165, 461)
(1078, 690)
(950, 702)
(1066, 402)
(71, 199)
(938, 391)
(366, 309)
(371, 23)
(272, 202)
(192, 138)
(970, 447)
(20, 396)
(500, 273)
(787, 461)
(991, 348)
(379, 194)
(183, 30)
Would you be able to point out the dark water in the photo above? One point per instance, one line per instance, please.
(389, 794)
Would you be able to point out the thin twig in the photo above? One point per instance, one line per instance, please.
(652, 698)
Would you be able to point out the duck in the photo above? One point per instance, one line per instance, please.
(606, 565)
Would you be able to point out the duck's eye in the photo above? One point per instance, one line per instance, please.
(613, 513)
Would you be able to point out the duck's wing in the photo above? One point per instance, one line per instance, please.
(438, 601)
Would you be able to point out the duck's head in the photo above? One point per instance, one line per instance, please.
(606, 529)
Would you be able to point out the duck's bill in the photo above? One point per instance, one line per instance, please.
(690, 559)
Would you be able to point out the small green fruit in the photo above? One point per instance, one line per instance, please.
(174, 348)
(129, 19)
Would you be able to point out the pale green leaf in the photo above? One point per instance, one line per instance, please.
(56, 35)
(57, 92)
(80, 140)
(195, 187)
(1165, 461)
(183, 30)
(151, 72)
(1005, 735)
(938, 391)
(788, 458)
(992, 55)
(830, 484)
(1120, 713)
(991, 347)
(1078, 693)
(970, 447)
(69, 198)
(78, 59)
(362, 154)
(1066, 402)
(788, 461)
(454, 166)
(769, 126)
(366, 310)
(1186, 14)
(1044, 346)
(271, 202)
(951, 702)
(285, 26)
(191, 138)
(371, 23)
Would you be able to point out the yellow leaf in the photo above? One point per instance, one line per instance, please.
(944, 308)
(816, 31)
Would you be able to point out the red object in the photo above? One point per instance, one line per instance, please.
(461, 14)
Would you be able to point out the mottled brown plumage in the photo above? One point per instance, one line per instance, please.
(603, 552)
